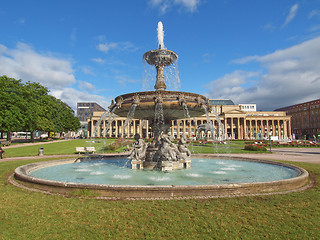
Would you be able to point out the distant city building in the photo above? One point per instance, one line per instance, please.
(85, 110)
(305, 118)
(248, 107)
(215, 102)
(229, 121)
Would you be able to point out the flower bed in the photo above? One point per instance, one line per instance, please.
(255, 147)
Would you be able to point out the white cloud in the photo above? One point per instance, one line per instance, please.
(72, 96)
(191, 5)
(87, 70)
(57, 74)
(314, 13)
(122, 46)
(25, 63)
(289, 76)
(98, 60)
(86, 86)
(106, 47)
(292, 13)
(165, 5)
(124, 80)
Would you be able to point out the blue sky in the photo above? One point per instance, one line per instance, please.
(265, 52)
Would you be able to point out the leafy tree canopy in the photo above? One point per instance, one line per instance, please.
(29, 107)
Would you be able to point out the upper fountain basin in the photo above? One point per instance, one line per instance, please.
(160, 57)
(173, 104)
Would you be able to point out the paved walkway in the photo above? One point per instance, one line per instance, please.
(309, 155)
(34, 143)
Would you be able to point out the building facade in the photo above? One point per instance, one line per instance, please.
(305, 119)
(229, 122)
(85, 110)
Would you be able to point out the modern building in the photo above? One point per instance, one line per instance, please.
(228, 119)
(85, 110)
(305, 119)
(248, 107)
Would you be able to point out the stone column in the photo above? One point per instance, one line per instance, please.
(273, 130)
(256, 129)
(110, 129)
(231, 127)
(117, 128)
(238, 128)
(134, 127)
(268, 128)
(289, 129)
(140, 127)
(104, 129)
(92, 128)
(225, 127)
(147, 129)
(244, 128)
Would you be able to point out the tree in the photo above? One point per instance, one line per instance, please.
(29, 107)
(12, 104)
(35, 109)
(62, 117)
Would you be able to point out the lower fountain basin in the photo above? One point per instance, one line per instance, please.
(172, 104)
(208, 177)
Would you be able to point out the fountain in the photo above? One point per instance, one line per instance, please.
(120, 177)
(160, 107)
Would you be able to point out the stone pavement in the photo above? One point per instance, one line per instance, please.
(308, 155)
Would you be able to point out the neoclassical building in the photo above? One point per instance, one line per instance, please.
(228, 120)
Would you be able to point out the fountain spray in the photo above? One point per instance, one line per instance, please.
(160, 35)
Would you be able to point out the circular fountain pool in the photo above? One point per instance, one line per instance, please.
(113, 177)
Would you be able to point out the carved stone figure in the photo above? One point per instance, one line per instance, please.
(167, 149)
(205, 128)
(183, 149)
(139, 149)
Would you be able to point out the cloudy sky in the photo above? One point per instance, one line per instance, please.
(265, 52)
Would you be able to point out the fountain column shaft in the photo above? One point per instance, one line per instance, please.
(160, 84)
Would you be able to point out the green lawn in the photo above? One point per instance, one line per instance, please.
(31, 215)
(57, 148)
(69, 147)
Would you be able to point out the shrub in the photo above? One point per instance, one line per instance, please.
(255, 147)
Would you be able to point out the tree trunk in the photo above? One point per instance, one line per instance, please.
(8, 136)
(32, 136)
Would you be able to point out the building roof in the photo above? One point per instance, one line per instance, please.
(221, 102)
(298, 105)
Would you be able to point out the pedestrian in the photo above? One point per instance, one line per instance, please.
(1, 152)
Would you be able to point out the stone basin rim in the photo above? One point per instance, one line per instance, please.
(22, 173)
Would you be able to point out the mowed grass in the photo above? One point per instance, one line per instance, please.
(32, 215)
(57, 148)
(69, 147)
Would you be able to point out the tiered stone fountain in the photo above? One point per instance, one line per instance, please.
(160, 107)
